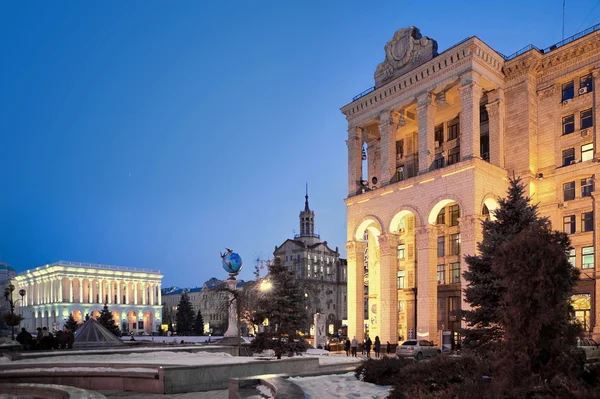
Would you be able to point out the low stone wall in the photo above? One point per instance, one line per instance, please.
(180, 379)
(47, 391)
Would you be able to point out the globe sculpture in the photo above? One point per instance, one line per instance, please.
(232, 263)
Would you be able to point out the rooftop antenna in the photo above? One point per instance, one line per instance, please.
(563, 21)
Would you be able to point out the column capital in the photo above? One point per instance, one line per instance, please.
(469, 77)
(388, 243)
(425, 100)
(425, 234)
(355, 132)
(389, 118)
(467, 226)
(354, 247)
(471, 88)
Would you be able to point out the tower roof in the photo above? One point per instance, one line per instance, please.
(306, 208)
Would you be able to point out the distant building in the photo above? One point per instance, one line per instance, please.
(7, 274)
(319, 269)
(63, 288)
(210, 299)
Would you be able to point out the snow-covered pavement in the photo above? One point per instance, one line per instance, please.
(339, 386)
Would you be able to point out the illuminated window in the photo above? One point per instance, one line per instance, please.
(587, 119)
(585, 82)
(441, 274)
(568, 91)
(569, 191)
(587, 152)
(587, 221)
(569, 224)
(587, 186)
(587, 257)
(571, 257)
(454, 211)
(401, 279)
(455, 244)
(401, 251)
(568, 157)
(441, 246)
(455, 272)
(568, 123)
(582, 305)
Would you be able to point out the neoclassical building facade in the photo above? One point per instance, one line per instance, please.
(430, 149)
(319, 270)
(63, 288)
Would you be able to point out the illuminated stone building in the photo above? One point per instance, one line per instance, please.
(319, 269)
(56, 290)
(430, 149)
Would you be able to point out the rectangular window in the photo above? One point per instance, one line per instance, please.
(568, 123)
(455, 244)
(439, 134)
(587, 221)
(587, 257)
(441, 217)
(484, 147)
(587, 187)
(401, 279)
(586, 119)
(454, 211)
(569, 191)
(438, 162)
(587, 152)
(483, 114)
(571, 257)
(453, 155)
(453, 128)
(441, 246)
(441, 274)
(401, 251)
(568, 157)
(585, 84)
(455, 272)
(568, 91)
(569, 224)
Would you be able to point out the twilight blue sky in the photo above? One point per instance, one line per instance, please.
(154, 134)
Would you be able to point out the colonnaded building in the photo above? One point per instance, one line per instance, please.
(319, 270)
(56, 290)
(430, 149)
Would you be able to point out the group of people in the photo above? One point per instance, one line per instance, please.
(351, 347)
(45, 340)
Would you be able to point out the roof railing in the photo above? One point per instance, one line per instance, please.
(97, 266)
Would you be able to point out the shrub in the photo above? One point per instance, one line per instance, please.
(381, 372)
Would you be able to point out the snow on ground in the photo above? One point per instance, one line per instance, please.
(172, 358)
(84, 369)
(339, 386)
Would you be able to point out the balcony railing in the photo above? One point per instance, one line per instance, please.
(307, 235)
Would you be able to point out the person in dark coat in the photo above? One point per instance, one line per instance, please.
(377, 347)
(70, 338)
(60, 340)
(38, 339)
(368, 344)
(347, 347)
(46, 341)
(388, 350)
(25, 339)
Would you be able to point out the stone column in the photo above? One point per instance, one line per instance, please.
(426, 116)
(470, 97)
(152, 290)
(70, 290)
(387, 127)
(354, 144)
(159, 295)
(495, 109)
(427, 283)
(232, 328)
(91, 290)
(356, 289)
(127, 293)
(135, 293)
(119, 299)
(470, 234)
(60, 290)
(388, 290)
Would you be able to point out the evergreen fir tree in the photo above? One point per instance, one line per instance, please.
(167, 317)
(199, 325)
(537, 281)
(186, 317)
(485, 290)
(106, 319)
(283, 306)
(71, 324)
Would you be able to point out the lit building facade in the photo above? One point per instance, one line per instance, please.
(430, 149)
(63, 288)
(319, 269)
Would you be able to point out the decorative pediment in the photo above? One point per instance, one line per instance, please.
(407, 50)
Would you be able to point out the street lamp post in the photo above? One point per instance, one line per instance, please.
(8, 295)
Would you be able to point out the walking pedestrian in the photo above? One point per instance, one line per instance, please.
(388, 350)
(377, 347)
(353, 346)
(347, 346)
(368, 344)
